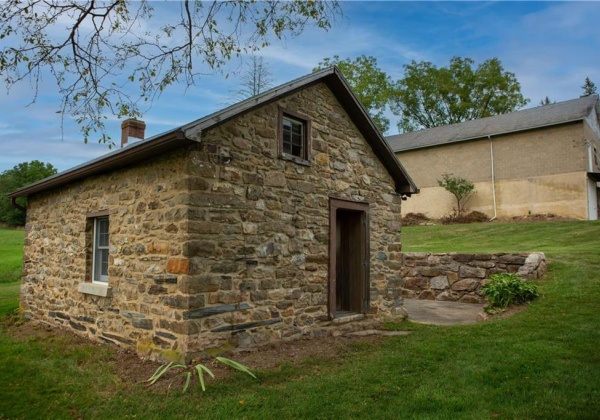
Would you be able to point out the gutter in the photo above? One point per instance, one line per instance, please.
(115, 160)
(13, 202)
(493, 177)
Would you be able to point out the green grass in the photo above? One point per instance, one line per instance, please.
(11, 255)
(9, 297)
(542, 363)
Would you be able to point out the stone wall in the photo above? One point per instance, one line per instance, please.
(459, 277)
(147, 229)
(218, 244)
(259, 225)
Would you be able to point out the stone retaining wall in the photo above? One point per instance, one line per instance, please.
(460, 277)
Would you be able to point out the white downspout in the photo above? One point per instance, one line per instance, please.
(493, 177)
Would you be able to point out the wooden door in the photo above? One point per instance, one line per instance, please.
(349, 258)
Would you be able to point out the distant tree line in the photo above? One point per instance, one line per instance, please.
(21, 175)
(430, 96)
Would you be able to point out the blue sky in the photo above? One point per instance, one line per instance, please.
(550, 46)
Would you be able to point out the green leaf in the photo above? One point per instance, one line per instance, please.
(164, 369)
(159, 372)
(201, 369)
(236, 365)
(187, 381)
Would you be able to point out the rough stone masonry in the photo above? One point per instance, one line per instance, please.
(460, 277)
(218, 244)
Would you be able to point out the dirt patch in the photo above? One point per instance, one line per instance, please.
(534, 218)
(420, 219)
(415, 219)
(128, 365)
(472, 217)
(507, 313)
(130, 368)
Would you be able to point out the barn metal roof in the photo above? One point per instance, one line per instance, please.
(527, 119)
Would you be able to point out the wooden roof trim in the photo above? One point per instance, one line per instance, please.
(193, 132)
(111, 161)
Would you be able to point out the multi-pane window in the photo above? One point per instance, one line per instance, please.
(100, 265)
(293, 139)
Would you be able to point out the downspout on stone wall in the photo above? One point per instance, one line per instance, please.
(493, 177)
(13, 202)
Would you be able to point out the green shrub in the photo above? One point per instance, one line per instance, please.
(472, 217)
(504, 289)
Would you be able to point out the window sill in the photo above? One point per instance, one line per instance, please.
(95, 289)
(295, 159)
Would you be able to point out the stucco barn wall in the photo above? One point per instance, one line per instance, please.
(538, 171)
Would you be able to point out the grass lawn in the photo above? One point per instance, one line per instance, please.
(11, 258)
(541, 363)
(11, 255)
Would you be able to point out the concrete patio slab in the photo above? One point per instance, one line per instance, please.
(442, 313)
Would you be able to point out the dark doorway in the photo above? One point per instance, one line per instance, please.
(349, 258)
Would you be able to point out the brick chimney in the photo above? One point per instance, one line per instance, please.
(132, 131)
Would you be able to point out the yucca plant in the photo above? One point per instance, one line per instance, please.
(188, 371)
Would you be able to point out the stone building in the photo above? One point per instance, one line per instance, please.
(273, 218)
(539, 160)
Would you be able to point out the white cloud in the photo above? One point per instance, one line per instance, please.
(551, 47)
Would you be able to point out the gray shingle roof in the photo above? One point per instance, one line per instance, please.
(527, 119)
(189, 133)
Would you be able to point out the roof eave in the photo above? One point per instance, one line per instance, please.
(341, 89)
(122, 157)
(404, 184)
(496, 134)
(194, 129)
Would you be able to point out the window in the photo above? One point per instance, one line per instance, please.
(294, 134)
(100, 250)
(96, 256)
(293, 137)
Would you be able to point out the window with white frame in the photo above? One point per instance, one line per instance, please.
(100, 250)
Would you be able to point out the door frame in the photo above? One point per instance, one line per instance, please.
(336, 204)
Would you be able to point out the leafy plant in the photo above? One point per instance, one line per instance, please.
(188, 371)
(371, 85)
(430, 96)
(504, 289)
(460, 188)
(154, 47)
(20, 175)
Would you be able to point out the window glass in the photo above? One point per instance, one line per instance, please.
(293, 138)
(101, 249)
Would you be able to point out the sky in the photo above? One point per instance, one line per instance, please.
(551, 47)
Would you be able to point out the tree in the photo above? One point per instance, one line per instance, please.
(15, 178)
(98, 52)
(460, 188)
(370, 84)
(589, 88)
(429, 96)
(546, 101)
(254, 79)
